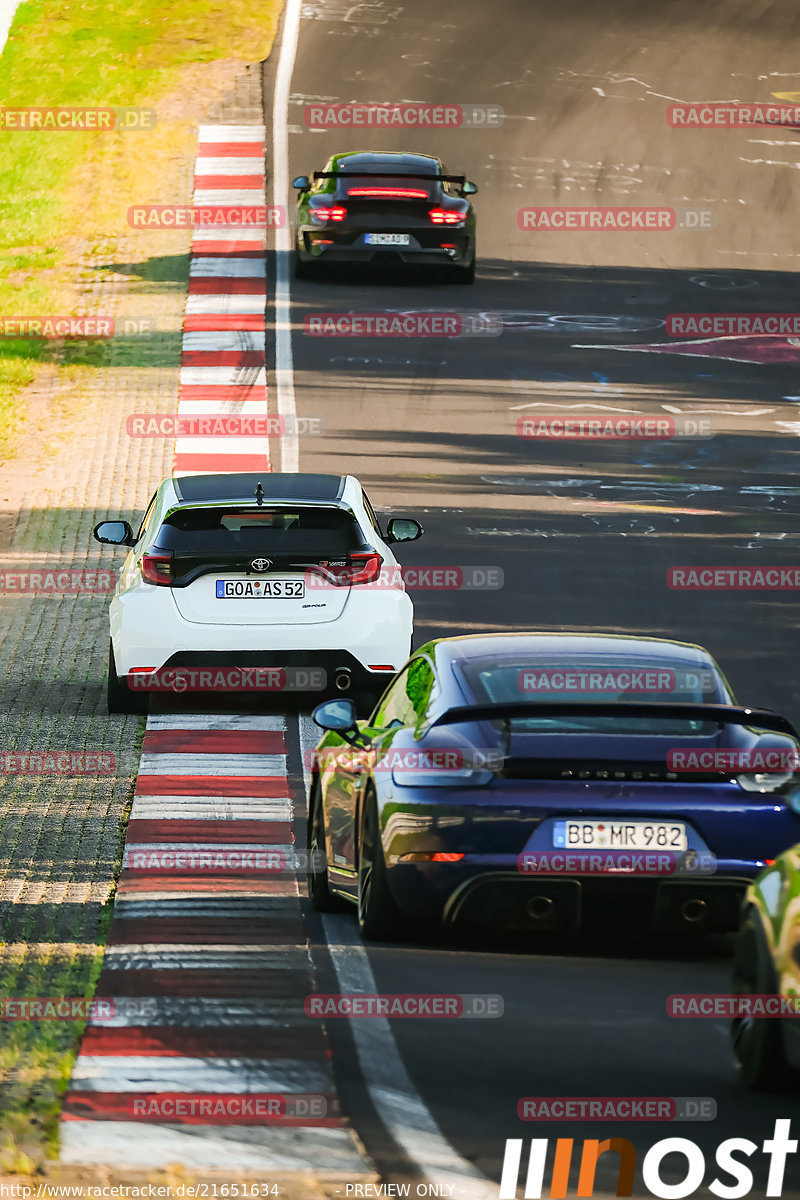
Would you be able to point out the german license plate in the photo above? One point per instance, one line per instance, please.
(614, 834)
(261, 589)
(388, 239)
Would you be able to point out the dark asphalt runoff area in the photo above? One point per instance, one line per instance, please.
(584, 532)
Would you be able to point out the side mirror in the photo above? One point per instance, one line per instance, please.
(338, 716)
(469, 188)
(403, 529)
(302, 183)
(114, 533)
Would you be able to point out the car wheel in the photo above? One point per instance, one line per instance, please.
(756, 1041)
(378, 915)
(464, 274)
(119, 697)
(303, 270)
(319, 892)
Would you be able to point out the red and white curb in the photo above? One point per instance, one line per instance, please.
(207, 961)
(208, 968)
(223, 365)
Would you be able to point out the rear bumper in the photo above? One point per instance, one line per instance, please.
(459, 893)
(147, 631)
(556, 904)
(309, 250)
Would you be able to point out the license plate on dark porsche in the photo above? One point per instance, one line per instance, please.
(388, 239)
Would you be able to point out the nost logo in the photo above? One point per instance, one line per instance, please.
(683, 1179)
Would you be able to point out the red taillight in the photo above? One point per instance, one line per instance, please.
(447, 857)
(363, 568)
(447, 216)
(330, 213)
(157, 568)
(396, 193)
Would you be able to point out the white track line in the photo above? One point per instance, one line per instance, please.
(396, 1100)
(284, 370)
(206, 721)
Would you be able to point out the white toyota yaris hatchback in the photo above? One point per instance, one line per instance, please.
(267, 580)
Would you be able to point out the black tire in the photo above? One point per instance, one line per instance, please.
(379, 918)
(319, 892)
(464, 274)
(119, 697)
(303, 270)
(756, 1041)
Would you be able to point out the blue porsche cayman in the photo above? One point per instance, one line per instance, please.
(530, 780)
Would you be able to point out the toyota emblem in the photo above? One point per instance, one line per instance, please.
(261, 564)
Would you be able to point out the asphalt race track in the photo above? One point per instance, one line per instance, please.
(583, 532)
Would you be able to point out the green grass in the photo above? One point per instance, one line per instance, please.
(66, 193)
(64, 205)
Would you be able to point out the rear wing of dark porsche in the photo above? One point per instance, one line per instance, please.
(723, 714)
(390, 175)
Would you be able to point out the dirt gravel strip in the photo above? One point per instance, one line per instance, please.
(207, 964)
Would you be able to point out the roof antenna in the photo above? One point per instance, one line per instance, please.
(259, 493)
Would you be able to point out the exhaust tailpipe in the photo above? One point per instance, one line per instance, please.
(343, 679)
(539, 907)
(693, 911)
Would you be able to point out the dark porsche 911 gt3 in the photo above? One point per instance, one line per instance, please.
(385, 208)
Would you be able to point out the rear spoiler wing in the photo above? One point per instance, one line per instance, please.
(724, 714)
(389, 175)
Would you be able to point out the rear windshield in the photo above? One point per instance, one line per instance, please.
(278, 529)
(539, 681)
